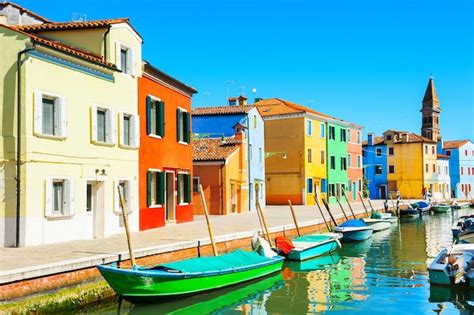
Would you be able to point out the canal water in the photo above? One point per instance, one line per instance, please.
(384, 275)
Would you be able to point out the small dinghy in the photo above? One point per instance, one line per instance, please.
(409, 213)
(453, 266)
(309, 246)
(441, 207)
(422, 206)
(383, 216)
(189, 276)
(378, 224)
(464, 223)
(354, 231)
(467, 235)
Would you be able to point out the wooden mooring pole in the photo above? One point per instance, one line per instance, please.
(316, 200)
(209, 227)
(294, 217)
(363, 204)
(348, 203)
(125, 223)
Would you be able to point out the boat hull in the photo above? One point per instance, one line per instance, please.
(441, 208)
(138, 288)
(315, 251)
(410, 213)
(356, 236)
(378, 225)
(466, 237)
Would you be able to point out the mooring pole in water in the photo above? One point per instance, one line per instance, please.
(342, 209)
(370, 204)
(363, 204)
(321, 211)
(348, 203)
(125, 223)
(294, 217)
(329, 211)
(259, 209)
(209, 227)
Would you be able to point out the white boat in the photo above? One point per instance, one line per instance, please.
(378, 224)
(453, 266)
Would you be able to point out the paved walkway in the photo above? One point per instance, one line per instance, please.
(34, 261)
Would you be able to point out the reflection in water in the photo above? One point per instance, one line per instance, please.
(386, 274)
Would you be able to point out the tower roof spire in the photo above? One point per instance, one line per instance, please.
(431, 97)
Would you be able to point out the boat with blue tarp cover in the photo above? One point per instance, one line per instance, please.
(354, 231)
(190, 276)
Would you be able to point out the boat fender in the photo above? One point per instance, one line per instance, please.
(284, 244)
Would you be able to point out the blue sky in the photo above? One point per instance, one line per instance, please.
(367, 61)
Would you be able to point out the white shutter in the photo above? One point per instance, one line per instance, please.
(38, 108)
(63, 116)
(48, 197)
(94, 123)
(130, 196)
(121, 128)
(112, 126)
(116, 197)
(135, 131)
(131, 62)
(118, 63)
(69, 197)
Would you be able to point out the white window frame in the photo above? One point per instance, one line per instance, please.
(155, 171)
(198, 184)
(60, 105)
(154, 99)
(322, 130)
(129, 198)
(349, 160)
(179, 203)
(309, 127)
(182, 110)
(131, 60)
(359, 161)
(134, 131)
(68, 197)
(111, 125)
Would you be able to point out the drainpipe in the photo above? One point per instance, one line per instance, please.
(221, 173)
(105, 42)
(18, 141)
(249, 166)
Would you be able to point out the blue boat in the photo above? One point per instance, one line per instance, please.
(354, 231)
(421, 206)
(310, 246)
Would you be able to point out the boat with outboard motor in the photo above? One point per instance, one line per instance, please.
(453, 266)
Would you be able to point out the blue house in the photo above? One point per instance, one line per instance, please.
(374, 152)
(221, 121)
(461, 166)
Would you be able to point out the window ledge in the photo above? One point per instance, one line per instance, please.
(127, 147)
(183, 204)
(183, 143)
(104, 144)
(50, 137)
(154, 136)
(155, 206)
(59, 216)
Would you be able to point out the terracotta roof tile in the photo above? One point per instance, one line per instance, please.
(58, 26)
(376, 140)
(455, 144)
(222, 110)
(66, 48)
(277, 106)
(412, 137)
(213, 149)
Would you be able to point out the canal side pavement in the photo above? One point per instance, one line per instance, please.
(18, 264)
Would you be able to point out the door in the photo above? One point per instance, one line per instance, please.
(95, 205)
(383, 192)
(170, 197)
(233, 198)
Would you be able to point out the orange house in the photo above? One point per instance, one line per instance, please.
(165, 155)
(220, 166)
(354, 162)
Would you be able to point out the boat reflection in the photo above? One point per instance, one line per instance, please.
(244, 297)
(459, 297)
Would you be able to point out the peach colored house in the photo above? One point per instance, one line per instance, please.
(220, 166)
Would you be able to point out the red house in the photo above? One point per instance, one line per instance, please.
(165, 155)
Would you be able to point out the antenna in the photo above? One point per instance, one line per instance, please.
(229, 83)
(79, 17)
(242, 88)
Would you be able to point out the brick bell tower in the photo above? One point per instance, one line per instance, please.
(430, 112)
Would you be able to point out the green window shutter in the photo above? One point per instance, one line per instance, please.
(161, 119)
(148, 115)
(148, 187)
(187, 188)
(186, 123)
(160, 188)
(178, 130)
(180, 178)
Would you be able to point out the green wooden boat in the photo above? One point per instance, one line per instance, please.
(441, 207)
(190, 276)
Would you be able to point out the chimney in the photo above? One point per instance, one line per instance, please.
(370, 138)
(258, 99)
(239, 133)
(232, 101)
(3, 20)
(405, 137)
(242, 100)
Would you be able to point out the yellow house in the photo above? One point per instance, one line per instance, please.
(411, 162)
(77, 107)
(295, 157)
